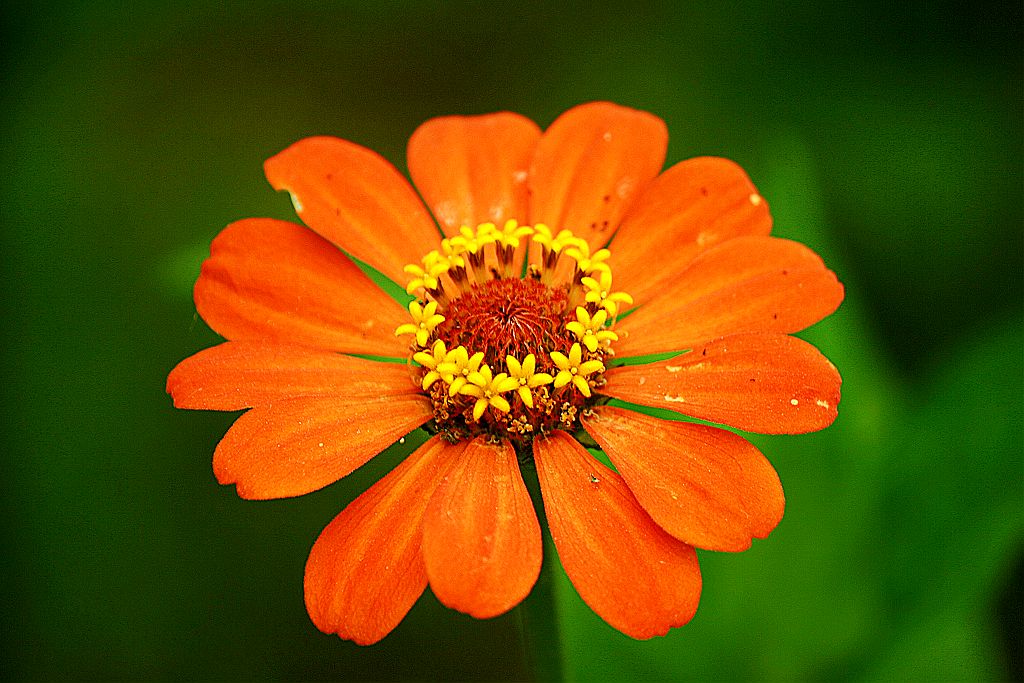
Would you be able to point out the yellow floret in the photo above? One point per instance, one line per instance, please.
(487, 390)
(587, 262)
(589, 329)
(431, 361)
(599, 292)
(526, 378)
(573, 368)
(458, 366)
(426, 276)
(511, 233)
(542, 235)
(425, 319)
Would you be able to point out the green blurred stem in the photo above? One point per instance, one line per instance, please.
(538, 616)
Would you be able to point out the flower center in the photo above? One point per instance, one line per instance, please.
(503, 355)
(507, 317)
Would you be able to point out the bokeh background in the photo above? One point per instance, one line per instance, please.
(886, 135)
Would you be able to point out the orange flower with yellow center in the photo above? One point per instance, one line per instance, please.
(558, 259)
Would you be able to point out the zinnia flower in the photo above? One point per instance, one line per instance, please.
(557, 262)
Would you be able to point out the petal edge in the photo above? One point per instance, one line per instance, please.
(625, 567)
(481, 538)
(768, 383)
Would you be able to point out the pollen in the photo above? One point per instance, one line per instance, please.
(507, 342)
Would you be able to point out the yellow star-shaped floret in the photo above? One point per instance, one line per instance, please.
(587, 262)
(486, 233)
(458, 365)
(511, 233)
(487, 389)
(425, 319)
(526, 378)
(438, 354)
(470, 241)
(599, 291)
(573, 368)
(453, 252)
(542, 235)
(426, 276)
(589, 329)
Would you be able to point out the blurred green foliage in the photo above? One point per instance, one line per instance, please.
(889, 139)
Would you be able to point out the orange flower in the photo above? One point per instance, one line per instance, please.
(507, 362)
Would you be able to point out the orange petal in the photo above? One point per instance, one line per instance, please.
(481, 538)
(706, 486)
(747, 284)
(591, 164)
(768, 383)
(692, 206)
(473, 169)
(275, 281)
(366, 571)
(625, 567)
(356, 199)
(299, 445)
(237, 375)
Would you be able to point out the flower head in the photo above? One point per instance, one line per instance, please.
(520, 279)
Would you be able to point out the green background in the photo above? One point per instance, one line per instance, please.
(889, 139)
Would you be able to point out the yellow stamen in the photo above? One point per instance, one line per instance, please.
(508, 240)
(599, 293)
(487, 390)
(458, 366)
(425, 319)
(426, 276)
(511, 233)
(573, 369)
(526, 378)
(452, 253)
(586, 262)
(431, 361)
(542, 235)
(589, 329)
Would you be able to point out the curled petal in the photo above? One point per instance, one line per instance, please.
(706, 486)
(269, 280)
(473, 169)
(481, 538)
(244, 374)
(748, 284)
(629, 570)
(692, 206)
(366, 569)
(356, 199)
(300, 445)
(769, 383)
(591, 164)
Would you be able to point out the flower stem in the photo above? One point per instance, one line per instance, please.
(538, 616)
